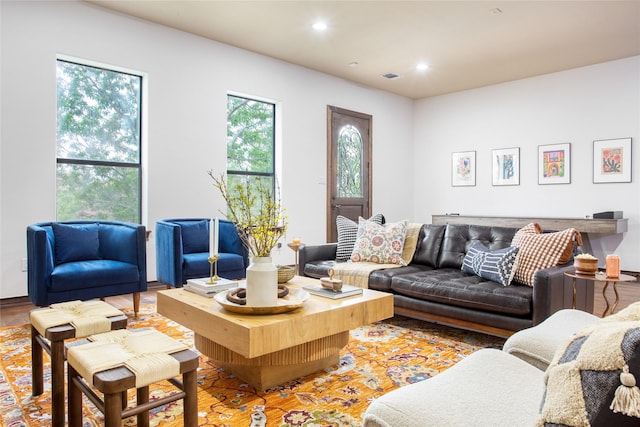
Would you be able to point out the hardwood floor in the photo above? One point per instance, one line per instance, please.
(18, 313)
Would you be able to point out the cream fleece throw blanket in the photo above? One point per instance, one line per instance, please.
(589, 381)
(357, 273)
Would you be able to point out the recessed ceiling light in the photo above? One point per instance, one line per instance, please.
(422, 66)
(353, 64)
(319, 26)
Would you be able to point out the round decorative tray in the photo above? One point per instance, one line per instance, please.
(294, 300)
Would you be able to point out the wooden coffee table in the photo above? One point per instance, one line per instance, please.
(269, 350)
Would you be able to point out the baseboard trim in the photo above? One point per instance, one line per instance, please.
(19, 301)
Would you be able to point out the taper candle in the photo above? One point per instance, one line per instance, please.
(217, 236)
(211, 237)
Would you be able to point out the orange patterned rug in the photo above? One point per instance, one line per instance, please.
(378, 359)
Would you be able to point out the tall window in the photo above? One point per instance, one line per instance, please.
(98, 144)
(250, 142)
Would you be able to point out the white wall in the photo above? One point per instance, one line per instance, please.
(188, 79)
(576, 106)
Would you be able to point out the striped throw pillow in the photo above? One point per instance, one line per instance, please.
(498, 266)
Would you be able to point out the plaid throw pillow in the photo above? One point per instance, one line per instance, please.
(539, 251)
(347, 233)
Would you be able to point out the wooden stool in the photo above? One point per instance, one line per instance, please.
(126, 368)
(51, 339)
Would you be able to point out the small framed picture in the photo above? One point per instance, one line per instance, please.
(554, 164)
(506, 166)
(463, 169)
(612, 160)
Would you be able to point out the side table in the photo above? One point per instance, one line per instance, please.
(601, 277)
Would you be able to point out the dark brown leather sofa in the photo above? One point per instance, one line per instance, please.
(434, 288)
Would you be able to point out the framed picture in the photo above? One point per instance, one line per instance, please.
(506, 166)
(554, 164)
(463, 169)
(612, 160)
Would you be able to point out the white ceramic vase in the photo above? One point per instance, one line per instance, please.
(262, 283)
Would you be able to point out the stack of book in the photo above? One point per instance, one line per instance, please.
(204, 288)
(347, 291)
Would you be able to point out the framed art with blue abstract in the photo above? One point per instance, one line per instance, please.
(612, 160)
(506, 166)
(463, 169)
(554, 164)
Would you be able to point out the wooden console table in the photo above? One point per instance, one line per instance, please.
(583, 225)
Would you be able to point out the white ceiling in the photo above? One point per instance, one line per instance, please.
(467, 44)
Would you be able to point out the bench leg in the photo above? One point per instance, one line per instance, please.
(57, 383)
(37, 370)
(74, 403)
(190, 401)
(113, 409)
(142, 397)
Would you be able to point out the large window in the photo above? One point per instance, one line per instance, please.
(98, 144)
(250, 142)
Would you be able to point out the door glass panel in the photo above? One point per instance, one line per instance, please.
(349, 165)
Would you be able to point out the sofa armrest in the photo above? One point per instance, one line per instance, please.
(168, 253)
(309, 253)
(553, 291)
(41, 262)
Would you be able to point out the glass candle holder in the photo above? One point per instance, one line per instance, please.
(613, 266)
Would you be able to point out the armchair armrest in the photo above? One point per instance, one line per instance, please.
(169, 249)
(553, 291)
(39, 248)
(309, 253)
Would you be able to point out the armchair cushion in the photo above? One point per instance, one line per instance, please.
(78, 242)
(92, 274)
(195, 236)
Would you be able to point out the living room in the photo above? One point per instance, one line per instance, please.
(189, 78)
(187, 81)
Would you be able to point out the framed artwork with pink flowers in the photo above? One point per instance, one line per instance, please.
(612, 160)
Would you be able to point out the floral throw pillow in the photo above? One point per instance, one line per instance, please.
(347, 232)
(382, 244)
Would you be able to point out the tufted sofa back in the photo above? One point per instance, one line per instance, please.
(444, 246)
(459, 238)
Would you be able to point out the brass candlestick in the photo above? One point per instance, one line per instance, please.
(295, 247)
(213, 268)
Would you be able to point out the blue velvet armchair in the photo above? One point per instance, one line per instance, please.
(81, 260)
(182, 250)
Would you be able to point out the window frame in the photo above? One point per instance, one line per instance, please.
(141, 127)
(274, 133)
